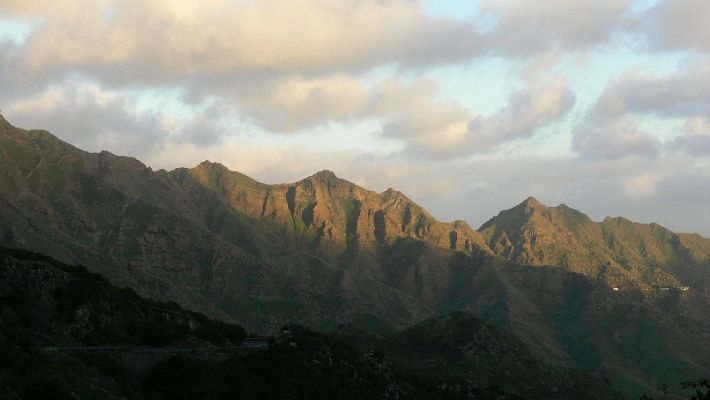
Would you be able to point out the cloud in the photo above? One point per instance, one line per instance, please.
(611, 140)
(525, 27)
(408, 111)
(88, 118)
(441, 131)
(290, 66)
(142, 40)
(642, 185)
(93, 119)
(297, 104)
(445, 130)
(611, 130)
(533, 107)
(696, 140)
(682, 94)
(677, 25)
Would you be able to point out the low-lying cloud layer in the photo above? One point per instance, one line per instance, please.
(603, 104)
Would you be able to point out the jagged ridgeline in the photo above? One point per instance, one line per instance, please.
(323, 251)
(622, 253)
(317, 251)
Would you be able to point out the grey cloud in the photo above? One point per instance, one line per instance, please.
(93, 120)
(207, 128)
(613, 140)
(676, 25)
(525, 28)
(87, 122)
(689, 186)
(14, 78)
(532, 108)
(698, 146)
(696, 138)
(609, 130)
(683, 94)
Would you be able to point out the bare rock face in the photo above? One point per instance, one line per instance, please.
(333, 212)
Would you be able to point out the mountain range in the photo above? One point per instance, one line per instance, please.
(619, 297)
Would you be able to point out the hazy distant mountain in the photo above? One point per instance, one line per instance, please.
(323, 251)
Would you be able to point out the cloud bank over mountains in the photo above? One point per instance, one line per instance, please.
(601, 104)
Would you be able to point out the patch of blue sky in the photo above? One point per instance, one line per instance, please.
(550, 142)
(164, 100)
(451, 8)
(640, 6)
(14, 29)
(482, 86)
(590, 76)
(664, 129)
(463, 10)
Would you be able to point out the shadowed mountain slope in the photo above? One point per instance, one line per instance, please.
(462, 346)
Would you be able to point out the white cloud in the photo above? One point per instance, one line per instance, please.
(139, 40)
(642, 185)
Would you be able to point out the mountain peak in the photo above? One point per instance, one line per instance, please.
(209, 164)
(391, 192)
(532, 202)
(325, 175)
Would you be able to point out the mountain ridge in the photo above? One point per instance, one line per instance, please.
(616, 250)
(323, 251)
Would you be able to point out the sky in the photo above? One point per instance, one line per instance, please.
(466, 106)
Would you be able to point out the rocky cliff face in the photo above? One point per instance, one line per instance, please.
(326, 210)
